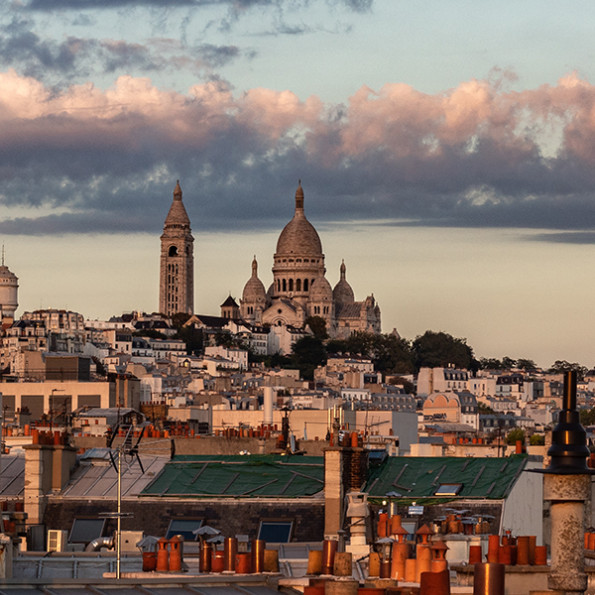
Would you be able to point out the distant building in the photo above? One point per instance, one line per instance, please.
(439, 380)
(176, 277)
(9, 287)
(300, 288)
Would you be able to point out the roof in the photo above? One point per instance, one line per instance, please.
(418, 478)
(12, 478)
(177, 216)
(255, 476)
(299, 236)
(96, 479)
(229, 302)
(352, 310)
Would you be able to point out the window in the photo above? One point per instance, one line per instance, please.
(275, 531)
(86, 530)
(448, 489)
(183, 527)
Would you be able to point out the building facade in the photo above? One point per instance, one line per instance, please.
(176, 276)
(300, 288)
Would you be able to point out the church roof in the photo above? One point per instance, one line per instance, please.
(342, 293)
(348, 310)
(299, 236)
(321, 290)
(254, 290)
(177, 215)
(229, 302)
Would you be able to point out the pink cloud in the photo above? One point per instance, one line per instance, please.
(398, 120)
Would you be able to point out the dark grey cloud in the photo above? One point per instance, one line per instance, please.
(88, 161)
(235, 5)
(76, 57)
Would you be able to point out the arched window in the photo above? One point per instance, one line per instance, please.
(305, 284)
(173, 251)
(291, 285)
(298, 285)
(284, 285)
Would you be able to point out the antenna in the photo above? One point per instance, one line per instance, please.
(126, 448)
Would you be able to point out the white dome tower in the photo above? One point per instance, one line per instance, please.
(9, 289)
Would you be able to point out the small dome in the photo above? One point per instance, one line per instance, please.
(321, 290)
(177, 215)
(299, 236)
(342, 293)
(7, 276)
(254, 289)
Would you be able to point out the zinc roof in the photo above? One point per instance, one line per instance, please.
(418, 478)
(254, 476)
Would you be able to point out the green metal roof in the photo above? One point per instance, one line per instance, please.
(235, 476)
(419, 478)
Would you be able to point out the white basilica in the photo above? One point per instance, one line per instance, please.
(300, 288)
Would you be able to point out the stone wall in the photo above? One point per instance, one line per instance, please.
(230, 517)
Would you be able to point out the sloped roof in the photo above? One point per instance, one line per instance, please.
(418, 478)
(352, 310)
(98, 480)
(255, 476)
(12, 478)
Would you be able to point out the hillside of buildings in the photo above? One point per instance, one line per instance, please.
(206, 375)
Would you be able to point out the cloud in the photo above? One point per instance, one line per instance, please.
(76, 57)
(236, 5)
(85, 159)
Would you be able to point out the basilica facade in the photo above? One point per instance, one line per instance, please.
(300, 288)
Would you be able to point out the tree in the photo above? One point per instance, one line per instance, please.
(490, 363)
(587, 416)
(392, 355)
(508, 363)
(537, 440)
(179, 319)
(389, 353)
(193, 338)
(361, 343)
(526, 364)
(336, 346)
(441, 349)
(561, 366)
(514, 435)
(308, 353)
(317, 325)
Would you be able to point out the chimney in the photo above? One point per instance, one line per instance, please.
(47, 469)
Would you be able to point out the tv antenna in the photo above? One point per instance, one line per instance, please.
(127, 450)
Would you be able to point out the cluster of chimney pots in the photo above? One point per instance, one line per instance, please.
(169, 557)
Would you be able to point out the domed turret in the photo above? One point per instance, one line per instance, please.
(299, 236)
(9, 286)
(254, 290)
(298, 260)
(321, 290)
(342, 293)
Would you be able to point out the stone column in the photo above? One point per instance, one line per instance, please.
(567, 495)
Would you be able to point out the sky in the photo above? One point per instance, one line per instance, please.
(446, 150)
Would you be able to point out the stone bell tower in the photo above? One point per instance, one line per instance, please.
(176, 277)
